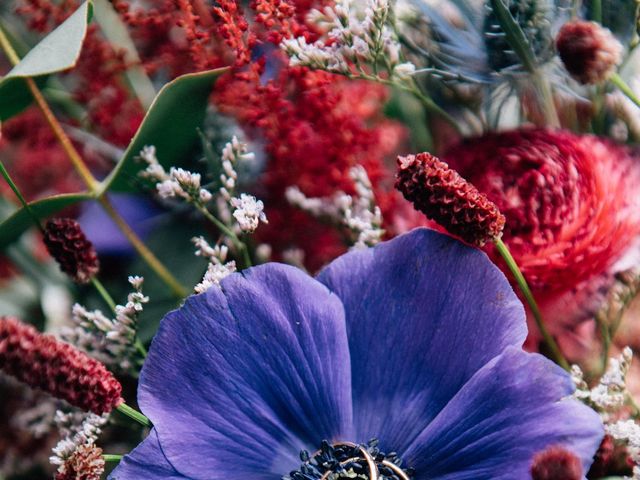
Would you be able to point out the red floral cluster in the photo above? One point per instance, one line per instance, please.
(175, 37)
(34, 158)
(572, 210)
(43, 362)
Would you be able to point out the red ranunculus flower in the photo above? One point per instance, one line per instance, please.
(572, 204)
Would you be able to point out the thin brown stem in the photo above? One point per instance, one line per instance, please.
(86, 176)
(142, 249)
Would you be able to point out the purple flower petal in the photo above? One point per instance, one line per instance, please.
(511, 409)
(238, 380)
(424, 313)
(146, 461)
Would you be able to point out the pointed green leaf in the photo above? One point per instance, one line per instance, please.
(58, 51)
(170, 125)
(514, 35)
(20, 221)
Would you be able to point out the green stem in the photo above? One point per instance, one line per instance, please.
(133, 414)
(606, 340)
(596, 11)
(411, 88)
(104, 294)
(549, 106)
(111, 457)
(537, 315)
(147, 255)
(432, 106)
(625, 88)
(241, 246)
(140, 347)
(18, 194)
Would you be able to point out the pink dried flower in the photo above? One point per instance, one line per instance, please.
(590, 52)
(86, 463)
(43, 362)
(445, 197)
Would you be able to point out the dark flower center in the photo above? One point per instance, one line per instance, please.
(344, 460)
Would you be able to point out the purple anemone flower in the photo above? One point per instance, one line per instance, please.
(416, 343)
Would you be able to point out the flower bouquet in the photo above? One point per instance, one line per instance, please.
(319, 240)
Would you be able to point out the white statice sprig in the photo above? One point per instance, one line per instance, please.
(234, 153)
(236, 213)
(177, 183)
(358, 213)
(248, 212)
(214, 275)
(610, 393)
(355, 37)
(218, 267)
(627, 432)
(77, 429)
(113, 341)
(610, 397)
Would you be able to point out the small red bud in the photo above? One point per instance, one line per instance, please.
(556, 463)
(68, 245)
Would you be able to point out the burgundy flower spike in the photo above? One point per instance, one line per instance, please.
(41, 361)
(445, 197)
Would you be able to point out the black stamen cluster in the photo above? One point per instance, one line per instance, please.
(346, 461)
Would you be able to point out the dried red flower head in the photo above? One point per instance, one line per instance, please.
(572, 209)
(556, 463)
(68, 245)
(589, 51)
(86, 463)
(445, 197)
(43, 362)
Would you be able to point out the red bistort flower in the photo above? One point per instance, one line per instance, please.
(572, 211)
(59, 369)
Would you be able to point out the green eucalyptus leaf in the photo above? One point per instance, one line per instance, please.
(15, 96)
(170, 125)
(20, 221)
(56, 52)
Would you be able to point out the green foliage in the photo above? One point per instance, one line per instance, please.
(619, 16)
(170, 125)
(20, 221)
(517, 32)
(56, 52)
